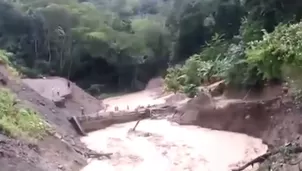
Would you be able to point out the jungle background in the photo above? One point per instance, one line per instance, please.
(118, 45)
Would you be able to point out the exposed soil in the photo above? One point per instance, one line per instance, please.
(258, 115)
(53, 154)
(48, 155)
(266, 117)
(159, 141)
(75, 96)
(253, 120)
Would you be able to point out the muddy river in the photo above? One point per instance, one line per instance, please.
(164, 146)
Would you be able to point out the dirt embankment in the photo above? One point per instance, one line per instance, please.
(267, 115)
(53, 152)
(270, 115)
(263, 114)
(56, 88)
(259, 114)
(251, 114)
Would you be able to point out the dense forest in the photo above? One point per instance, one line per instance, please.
(121, 44)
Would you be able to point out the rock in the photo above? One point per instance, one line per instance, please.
(61, 167)
(147, 134)
(72, 142)
(247, 117)
(289, 110)
(217, 88)
(58, 136)
(3, 81)
(285, 89)
(41, 103)
(60, 102)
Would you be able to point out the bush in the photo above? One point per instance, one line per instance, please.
(250, 30)
(215, 48)
(281, 47)
(173, 79)
(244, 75)
(193, 73)
(292, 75)
(206, 67)
(244, 64)
(95, 89)
(190, 90)
(15, 122)
(5, 58)
(240, 73)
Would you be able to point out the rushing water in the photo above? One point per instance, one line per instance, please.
(170, 147)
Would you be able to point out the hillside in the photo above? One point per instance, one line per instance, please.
(198, 85)
(50, 153)
(273, 122)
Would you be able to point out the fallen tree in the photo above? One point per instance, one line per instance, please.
(286, 151)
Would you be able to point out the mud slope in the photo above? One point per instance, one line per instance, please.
(75, 96)
(273, 118)
(47, 155)
(51, 153)
(269, 116)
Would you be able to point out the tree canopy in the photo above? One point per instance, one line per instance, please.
(123, 43)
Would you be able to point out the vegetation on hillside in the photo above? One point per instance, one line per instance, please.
(263, 46)
(121, 44)
(99, 42)
(105, 45)
(16, 121)
(5, 59)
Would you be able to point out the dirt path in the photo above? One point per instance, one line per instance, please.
(54, 88)
(167, 146)
(50, 88)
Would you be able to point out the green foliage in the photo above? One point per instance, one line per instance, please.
(194, 22)
(250, 30)
(82, 39)
(190, 90)
(240, 73)
(201, 68)
(174, 79)
(215, 48)
(95, 89)
(292, 75)
(5, 58)
(218, 60)
(19, 122)
(63, 37)
(246, 64)
(282, 46)
(193, 73)
(244, 75)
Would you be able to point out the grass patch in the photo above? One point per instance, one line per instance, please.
(18, 122)
(5, 60)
